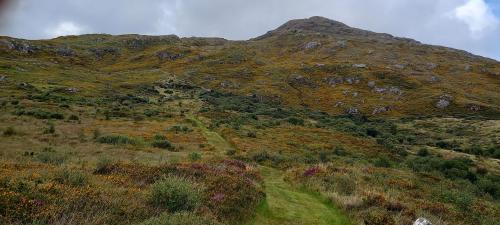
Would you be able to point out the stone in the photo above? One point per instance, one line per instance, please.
(355, 94)
(371, 84)
(399, 66)
(312, 45)
(422, 221)
(72, 90)
(379, 110)
(474, 107)
(333, 81)
(468, 68)
(339, 104)
(2, 77)
(341, 44)
(435, 79)
(431, 66)
(444, 101)
(395, 91)
(360, 66)
(379, 90)
(352, 111)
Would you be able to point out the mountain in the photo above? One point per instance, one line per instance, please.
(328, 123)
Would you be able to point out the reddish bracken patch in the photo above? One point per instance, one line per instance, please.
(312, 171)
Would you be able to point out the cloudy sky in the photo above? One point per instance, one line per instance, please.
(473, 25)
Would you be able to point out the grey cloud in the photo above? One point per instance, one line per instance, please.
(428, 21)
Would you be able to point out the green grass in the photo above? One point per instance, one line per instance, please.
(287, 205)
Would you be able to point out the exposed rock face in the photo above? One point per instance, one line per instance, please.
(444, 101)
(336, 80)
(474, 107)
(65, 51)
(422, 221)
(141, 41)
(2, 78)
(312, 45)
(167, 55)
(101, 52)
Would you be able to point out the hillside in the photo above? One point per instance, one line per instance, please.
(373, 128)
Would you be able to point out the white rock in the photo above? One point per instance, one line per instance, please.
(422, 221)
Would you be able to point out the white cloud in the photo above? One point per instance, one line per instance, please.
(477, 15)
(465, 24)
(64, 28)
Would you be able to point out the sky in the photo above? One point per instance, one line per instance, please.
(472, 25)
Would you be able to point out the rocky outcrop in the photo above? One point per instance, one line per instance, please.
(65, 51)
(100, 53)
(312, 45)
(168, 55)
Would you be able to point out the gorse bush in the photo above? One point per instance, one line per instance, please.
(182, 218)
(176, 194)
(160, 141)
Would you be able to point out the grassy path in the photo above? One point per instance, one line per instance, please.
(213, 138)
(284, 204)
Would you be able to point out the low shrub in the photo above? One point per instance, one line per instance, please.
(195, 156)
(183, 218)
(50, 156)
(41, 114)
(296, 121)
(103, 166)
(382, 162)
(74, 118)
(70, 177)
(176, 194)
(50, 129)
(116, 140)
(160, 141)
(9, 131)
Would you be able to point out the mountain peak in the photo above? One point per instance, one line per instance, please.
(315, 24)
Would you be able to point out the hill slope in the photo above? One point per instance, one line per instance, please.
(102, 129)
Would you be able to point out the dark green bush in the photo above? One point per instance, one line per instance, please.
(194, 156)
(164, 144)
(296, 121)
(382, 162)
(116, 140)
(176, 194)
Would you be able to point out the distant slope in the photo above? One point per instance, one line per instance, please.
(314, 63)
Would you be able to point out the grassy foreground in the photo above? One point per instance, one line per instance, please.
(286, 205)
